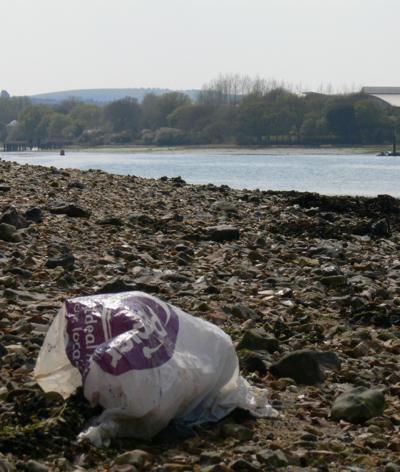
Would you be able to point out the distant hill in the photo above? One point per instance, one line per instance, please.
(103, 96)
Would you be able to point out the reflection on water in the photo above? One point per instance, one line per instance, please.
(325, 172)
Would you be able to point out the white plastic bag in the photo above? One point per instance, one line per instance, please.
(146, 362)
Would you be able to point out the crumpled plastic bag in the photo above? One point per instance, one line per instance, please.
(146, 362)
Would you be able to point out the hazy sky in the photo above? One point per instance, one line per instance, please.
(50, 45)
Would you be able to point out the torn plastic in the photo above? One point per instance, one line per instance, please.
(146, 363)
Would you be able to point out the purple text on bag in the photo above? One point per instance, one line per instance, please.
(120, 332)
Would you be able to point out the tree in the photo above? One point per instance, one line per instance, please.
(58, 126)
(371, 120)
(157, 108)
(342, 121)
(87, 116)
(253, 120)
(123, 114)
(34, 123)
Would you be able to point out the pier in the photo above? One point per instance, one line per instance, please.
(16, 146)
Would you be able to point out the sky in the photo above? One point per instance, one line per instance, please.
(53, 45)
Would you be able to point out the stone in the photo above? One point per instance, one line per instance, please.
(5, 188)
(76, 184)
(237, 431)
(178, 181)
(137, 458)
(256, 339)
(252, 361)
(3, 351)
(380, 229)
(141, 219)
(241, 465)
(334, 281)
(34, 466)
(70, 209)
(391, 467)
(9, 233)
(34, 214)
(272, 459)
(67, 261)
(5, 466)
(222, 205)
(222, 233)
(244, 312)
(210, 458)
(111, 221)
(118, 468)
(117, 285)
(24, 273)
(358, 405)
(304, 366)
(12, 217)
(214, 468)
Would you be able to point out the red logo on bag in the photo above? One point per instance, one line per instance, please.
(120, 332)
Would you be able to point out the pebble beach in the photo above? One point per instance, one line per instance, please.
(307, 286)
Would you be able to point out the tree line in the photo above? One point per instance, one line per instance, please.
(229, 110)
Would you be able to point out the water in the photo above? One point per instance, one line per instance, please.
(328, 172)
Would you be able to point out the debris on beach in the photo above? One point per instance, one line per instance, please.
(280, 272)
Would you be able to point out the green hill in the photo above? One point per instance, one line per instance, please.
(103, 96)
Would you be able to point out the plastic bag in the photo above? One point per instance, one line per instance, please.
(146, 362)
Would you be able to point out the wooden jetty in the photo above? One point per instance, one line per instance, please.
(16, 146)
(20, 146)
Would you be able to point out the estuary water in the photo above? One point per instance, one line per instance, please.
(331, 172)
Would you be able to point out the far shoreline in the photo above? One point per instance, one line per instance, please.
(228, 148)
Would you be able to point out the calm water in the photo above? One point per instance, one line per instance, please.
(328, 172)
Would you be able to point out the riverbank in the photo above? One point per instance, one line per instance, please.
(316, 273)
(329, 149)
(373, 149)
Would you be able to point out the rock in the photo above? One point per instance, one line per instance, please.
(251, 361)
(118, 468)
(222, 233)
(391, 467)
(34, 466)
(22, 295)
(141, 219)
(34, 214)
(272, 459)
(257, 339)
(358, 405)
(241, 465)
(222, 205)
(210, 458)
(137, 457)
(3, 351)
(305, 366)
(111, 221)
(4, 188)
(213, 468)
(178, 181)
(70, 209)
(9, 233)
(67, 261)
(117, 285)
(76, 184)
(12, 217)
(244, 312)
(334, 281)
(380, 229)
(5, 466)
(237, 431)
